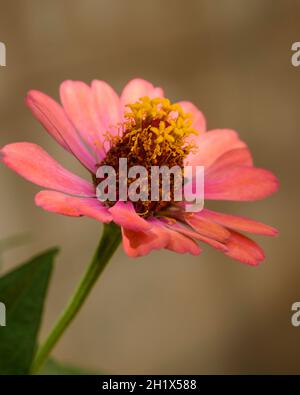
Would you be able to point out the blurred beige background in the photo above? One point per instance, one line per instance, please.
(165, 313)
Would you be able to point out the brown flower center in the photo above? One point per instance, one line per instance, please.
(154, 133)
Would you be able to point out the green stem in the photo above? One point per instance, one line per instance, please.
(109, 242)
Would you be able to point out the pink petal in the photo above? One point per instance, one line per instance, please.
(176, 241)
(35, 165)
(239, 223)
(244, 249)
(181, 244)
(235, 157)
(137, 244)
(124, 214)
(52, 116)
(197, 236)
(137, 88)
(108, 104)
(212, 145)
(142, 243)
(79, 103)
(206, 227)
(60, 203)
(240, 183)
(199, 121)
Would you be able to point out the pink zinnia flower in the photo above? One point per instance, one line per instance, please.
(91, 124)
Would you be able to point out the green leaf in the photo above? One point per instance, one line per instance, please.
(23, 292)
(52, 367)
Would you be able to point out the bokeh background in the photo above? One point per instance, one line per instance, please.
(165, 313)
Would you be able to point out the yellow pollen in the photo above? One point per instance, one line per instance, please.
(158, 128)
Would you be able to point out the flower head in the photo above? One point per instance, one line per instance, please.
(98, 127)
